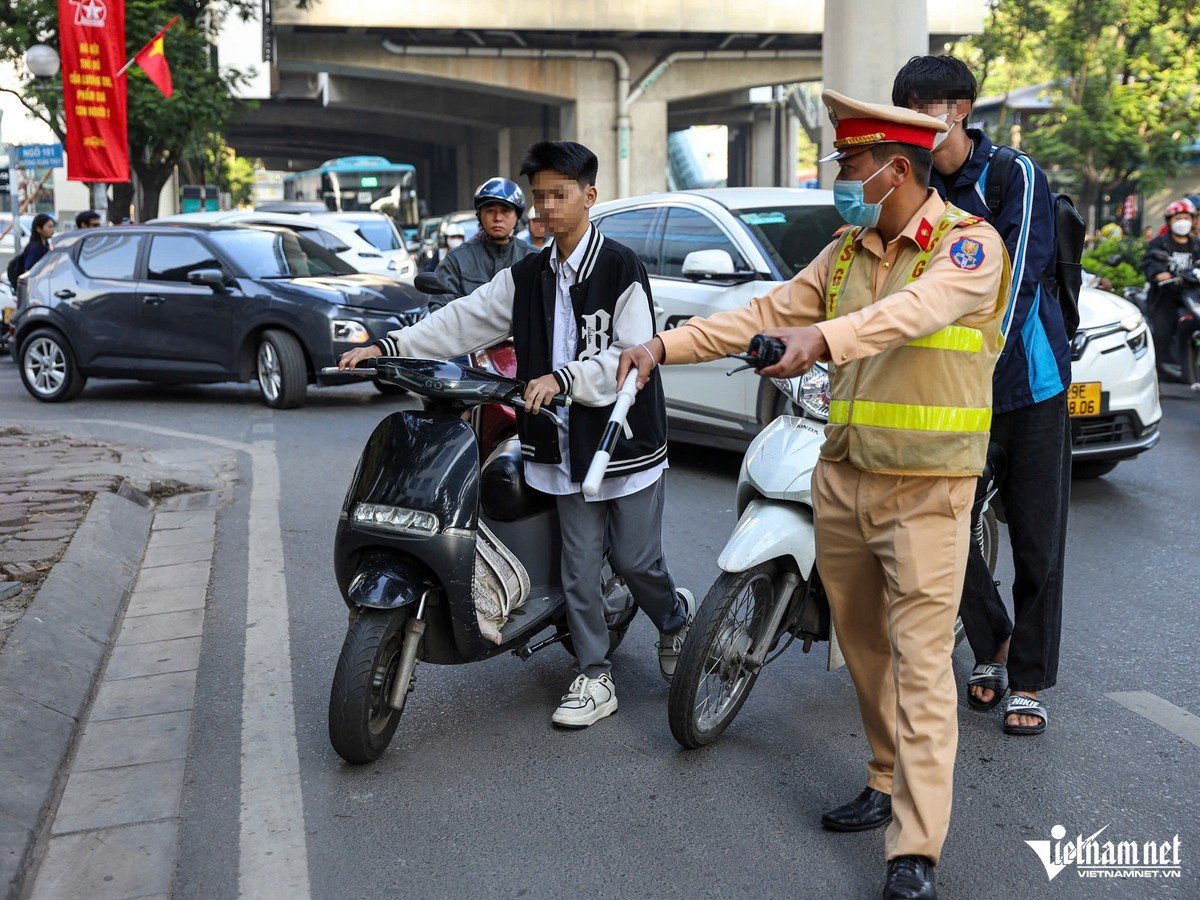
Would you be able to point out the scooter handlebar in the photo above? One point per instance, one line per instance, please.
(625, 397)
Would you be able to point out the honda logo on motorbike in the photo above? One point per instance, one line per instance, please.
(595, 333)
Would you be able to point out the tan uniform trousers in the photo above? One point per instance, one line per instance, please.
(892, 552)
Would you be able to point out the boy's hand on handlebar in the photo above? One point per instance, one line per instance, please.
(643, 357)
(352, 358)
(805, 347)
(540, 392)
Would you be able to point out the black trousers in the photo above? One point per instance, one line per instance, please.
(1035, 492)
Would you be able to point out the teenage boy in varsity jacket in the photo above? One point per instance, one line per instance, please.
(570, 311)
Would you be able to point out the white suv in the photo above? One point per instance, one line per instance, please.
(712, 250)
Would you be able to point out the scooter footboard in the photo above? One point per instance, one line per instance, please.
(769, 529)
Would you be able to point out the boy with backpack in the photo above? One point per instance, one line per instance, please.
(1031, 378)
(570, 311)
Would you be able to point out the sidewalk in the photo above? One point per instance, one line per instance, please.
(46, 484)
(76, 521)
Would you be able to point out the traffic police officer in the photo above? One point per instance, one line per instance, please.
(908, 306)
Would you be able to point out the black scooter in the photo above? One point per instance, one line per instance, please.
(427, 537)
(1176, 328)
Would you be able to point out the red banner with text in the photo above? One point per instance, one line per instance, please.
(92, 46)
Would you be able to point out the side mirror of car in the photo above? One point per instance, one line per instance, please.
(213, 278)
(713, 265)
(413, 246)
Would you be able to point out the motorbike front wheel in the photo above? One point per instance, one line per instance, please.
(361, 722)
(713, 678)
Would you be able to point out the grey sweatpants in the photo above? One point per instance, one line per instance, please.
(633, 527)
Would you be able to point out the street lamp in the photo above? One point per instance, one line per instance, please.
(42, 62)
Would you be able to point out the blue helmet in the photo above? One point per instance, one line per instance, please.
(500, 190)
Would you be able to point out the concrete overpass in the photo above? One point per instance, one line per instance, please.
(460, 89)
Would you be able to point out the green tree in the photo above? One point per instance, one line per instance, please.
(1124, 77)
(163, 132)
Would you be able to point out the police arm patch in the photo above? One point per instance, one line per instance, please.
(967, 253)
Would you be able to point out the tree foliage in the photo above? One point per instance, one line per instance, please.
(163, 132)
(1124, 78)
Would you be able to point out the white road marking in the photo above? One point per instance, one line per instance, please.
(273, 859)
(1153, 707)
(155, 429)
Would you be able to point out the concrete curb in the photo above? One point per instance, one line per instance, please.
(51, 661)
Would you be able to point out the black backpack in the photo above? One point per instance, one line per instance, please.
(1070, 233)
(16, 267)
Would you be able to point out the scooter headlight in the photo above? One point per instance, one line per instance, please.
(813, 393)
(396, 518)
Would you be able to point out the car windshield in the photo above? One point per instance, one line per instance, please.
(379, 232)
(263, 253)
(792, 236)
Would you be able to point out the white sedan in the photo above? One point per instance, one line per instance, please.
(338, 237)
(712, 250)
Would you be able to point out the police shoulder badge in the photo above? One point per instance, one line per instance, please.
(967, 253)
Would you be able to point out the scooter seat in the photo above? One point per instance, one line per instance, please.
(505, 495)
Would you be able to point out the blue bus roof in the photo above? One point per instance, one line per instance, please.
(352, 163)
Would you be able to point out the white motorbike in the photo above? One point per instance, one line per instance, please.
(769, 587)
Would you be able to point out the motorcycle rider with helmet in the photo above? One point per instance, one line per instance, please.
(1179, 254)
(499, 204)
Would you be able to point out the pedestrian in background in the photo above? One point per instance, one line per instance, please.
(39, 241)
(89, 218)
(1029, 421)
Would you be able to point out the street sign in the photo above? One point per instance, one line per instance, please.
(40, 156)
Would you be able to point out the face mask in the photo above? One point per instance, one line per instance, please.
(849, 202)
(1181, 227)
(941, 136)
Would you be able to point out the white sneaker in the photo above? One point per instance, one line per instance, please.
(670, 645)
(587, 701)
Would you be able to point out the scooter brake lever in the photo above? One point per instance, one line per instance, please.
(519, 402)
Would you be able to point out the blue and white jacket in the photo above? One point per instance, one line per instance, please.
(1035, 363)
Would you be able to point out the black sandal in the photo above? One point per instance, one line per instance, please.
(1025, 706)
(990, 675)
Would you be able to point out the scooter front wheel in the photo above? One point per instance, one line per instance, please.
(713, 678)
(361, 722)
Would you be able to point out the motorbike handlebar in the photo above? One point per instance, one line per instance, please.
(764, 351)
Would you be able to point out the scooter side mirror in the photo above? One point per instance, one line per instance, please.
(431, 283)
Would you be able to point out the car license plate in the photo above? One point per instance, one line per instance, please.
(1083, 399)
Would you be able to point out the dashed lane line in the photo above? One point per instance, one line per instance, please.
(273, 856)
(1161, 712)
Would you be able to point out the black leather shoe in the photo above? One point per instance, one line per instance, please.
(870, 809)
(910, 878)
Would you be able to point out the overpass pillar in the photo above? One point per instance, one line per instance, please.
(856, 63)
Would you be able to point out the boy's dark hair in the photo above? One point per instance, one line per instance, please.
(567, 158)
(921, 159)
(88, 215)
(926, 78)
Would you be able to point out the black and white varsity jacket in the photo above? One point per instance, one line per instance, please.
(613, 311)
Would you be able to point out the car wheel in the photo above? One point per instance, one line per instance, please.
(1092, 468)
(48, 368)
(282, 372)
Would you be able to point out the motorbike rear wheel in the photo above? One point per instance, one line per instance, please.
(712, 680)
(361, 722)
(1190, 358)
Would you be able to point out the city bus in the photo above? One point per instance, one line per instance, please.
(358, 183)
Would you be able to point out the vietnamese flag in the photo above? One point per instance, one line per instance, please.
(153, 61)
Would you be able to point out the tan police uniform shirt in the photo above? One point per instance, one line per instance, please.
(944, 294)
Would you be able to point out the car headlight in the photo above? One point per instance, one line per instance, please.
(396, 518)
(347, 331)
(1137, 334)
(813, 393)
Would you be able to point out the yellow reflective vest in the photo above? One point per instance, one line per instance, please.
(923, 408)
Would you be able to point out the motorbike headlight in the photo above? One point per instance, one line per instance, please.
(813, 393)
(347, 331)
(396, 518)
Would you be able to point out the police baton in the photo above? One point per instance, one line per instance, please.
(625, 398)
